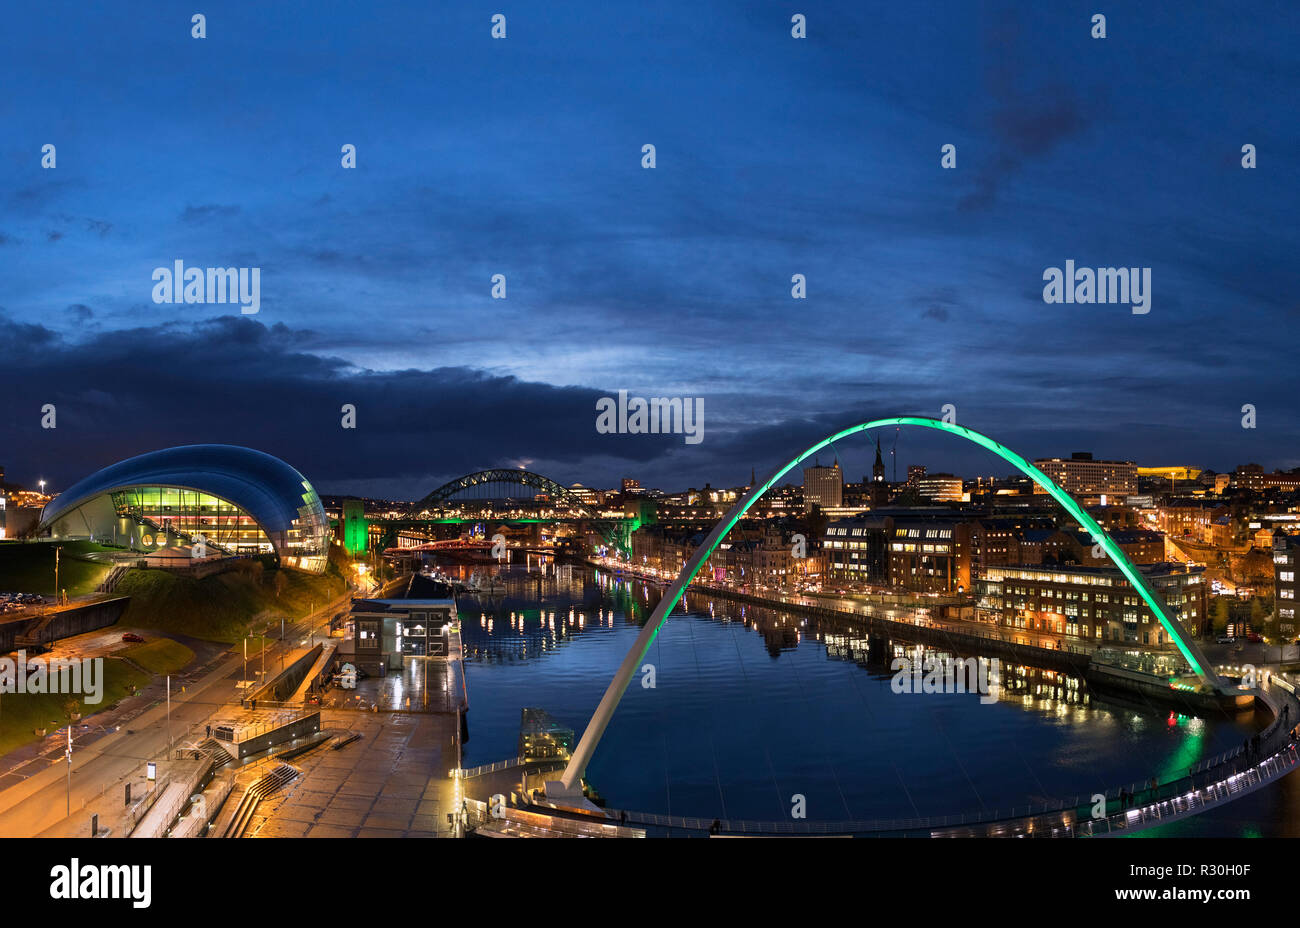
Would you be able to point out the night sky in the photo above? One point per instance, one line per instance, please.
(522, 157)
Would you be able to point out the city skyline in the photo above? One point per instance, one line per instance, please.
(819, 157)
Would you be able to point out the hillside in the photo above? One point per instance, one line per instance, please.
(29, 567)
(221, 607)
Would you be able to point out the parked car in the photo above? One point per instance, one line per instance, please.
(1225, 639)
(1255, 638)
(132, 637)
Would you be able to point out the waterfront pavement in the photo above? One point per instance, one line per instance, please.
(392, 783)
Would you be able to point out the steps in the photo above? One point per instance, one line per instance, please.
(110, 582)
(343, 741)
(31, 636)
(264, 786)
(214, 749)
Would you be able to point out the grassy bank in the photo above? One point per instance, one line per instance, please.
(22, 713)
(224, 606)
(28, 567)
(160, 656)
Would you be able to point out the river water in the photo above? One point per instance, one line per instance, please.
(755, 713)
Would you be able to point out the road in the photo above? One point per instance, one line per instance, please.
(103, 762)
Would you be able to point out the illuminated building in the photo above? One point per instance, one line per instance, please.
(356, 531)
(1087, 479)
(1286, 549)
(942, 488)
(1092, 602)
(1252, 477)
(383, 631)
(823, 486)
(222, 498)
(914, 551)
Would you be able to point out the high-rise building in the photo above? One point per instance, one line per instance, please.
(1286, 558)
(823, 486)
(942, 488)
(1088, 479)
(914, 473)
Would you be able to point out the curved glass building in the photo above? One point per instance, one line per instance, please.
(241, 501)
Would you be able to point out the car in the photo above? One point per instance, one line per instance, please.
(132, 637)
(1225, 639)
(1255, 638)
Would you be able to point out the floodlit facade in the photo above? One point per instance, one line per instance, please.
(240, 501)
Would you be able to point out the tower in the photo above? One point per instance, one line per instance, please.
(879, 489)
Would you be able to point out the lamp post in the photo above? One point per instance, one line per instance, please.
(69, 756)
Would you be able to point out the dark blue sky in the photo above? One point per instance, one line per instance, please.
(522, 157)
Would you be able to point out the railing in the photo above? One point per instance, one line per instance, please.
(1196, 801)
(488, 768)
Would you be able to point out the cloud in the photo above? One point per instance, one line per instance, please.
(231, 379)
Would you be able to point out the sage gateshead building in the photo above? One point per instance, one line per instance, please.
(232, 501)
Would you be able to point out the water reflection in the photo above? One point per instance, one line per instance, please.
(753, 706)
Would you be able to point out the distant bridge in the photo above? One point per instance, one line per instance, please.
(493, 496)
(493, 486)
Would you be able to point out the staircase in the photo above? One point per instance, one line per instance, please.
(158, 528)
(31, 636)
(214, 749)
(344, 740)
(266, 785)
(109, 583)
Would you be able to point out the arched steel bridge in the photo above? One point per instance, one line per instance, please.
(570, 783)
(561, 497)
(498, 485)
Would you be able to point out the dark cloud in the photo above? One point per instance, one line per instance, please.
(236, 380)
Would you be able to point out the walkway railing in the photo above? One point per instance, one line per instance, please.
(488, 768)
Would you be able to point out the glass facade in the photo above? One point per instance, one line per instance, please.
(187, 514)
(243, 502)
